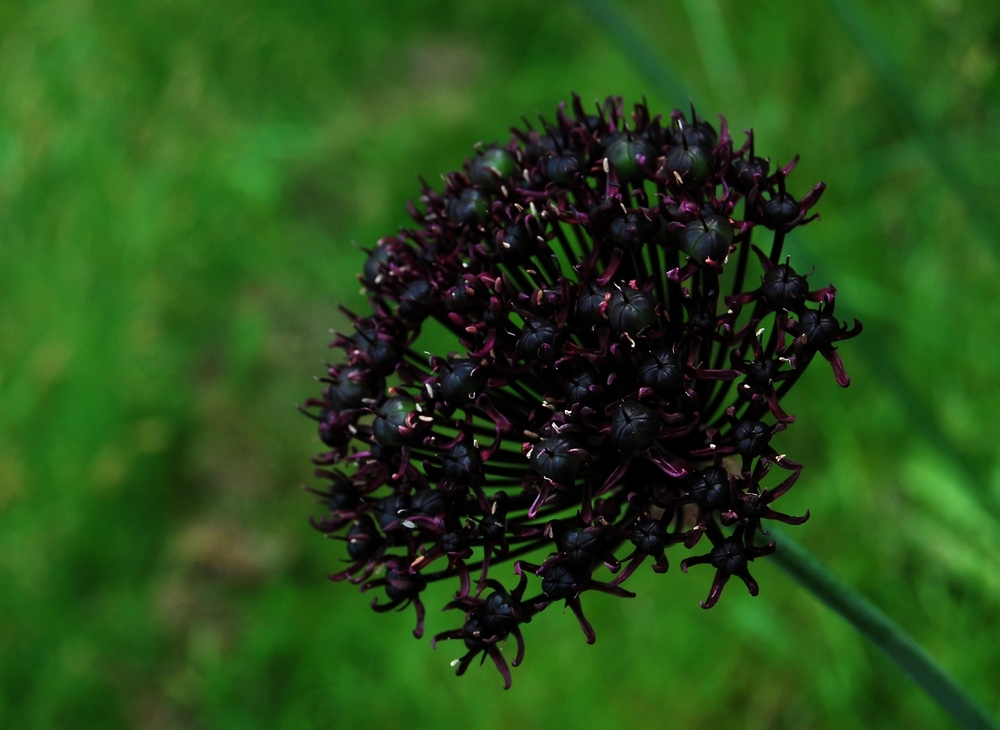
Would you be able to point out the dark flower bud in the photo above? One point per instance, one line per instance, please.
(470, 208)
(662, 374)
(492, 167)
(761, 373)
(452, 542)
(588, 306)
(499, 613)
(560, 581)
(391, 509)
(782, 288)
(536, 149)
(535, 334)
(460, 380)
(493, 527)
(377, 259)
(465, 296)
(579, 385)
(699, 133)
(745, 171)
(474, 635)
(363, 540)
(819, 328)
(401, 585)
(430, 503)
(578, 545)
(729, 556)
(345, 499)
(558, 458)
(380, 348)
(648, 536)
(622, 155)
(710, 488)
(631, 311)
(707, 239)
(415, 300)
(780, 210)
(515, 246)
(702, 321)
(461, 462)
(350, 388)
(390, 418)
(634, 426)
(627, 231)
(750, 438)
(692, 163)
(563, 169)
(332, 432)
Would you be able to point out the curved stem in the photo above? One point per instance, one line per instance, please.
(882, 631)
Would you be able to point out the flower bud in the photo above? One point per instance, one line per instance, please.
(460, 379)
(461, 462)
(710, 488)
(751, 437)
(693, 164)
(536, 334)
(634, 427)
(662, 374)
(563, 169)
(627, 231)
(630, 312)
(648, 536)
(782, 288)
(556, 458)
(707, 239)
(470, 208)
(622, 155)
(745, 172)
(389, 427)
(588, 306)
(492, 167)
(780, 210)
(351, 386)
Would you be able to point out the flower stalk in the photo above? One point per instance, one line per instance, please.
(882, 631)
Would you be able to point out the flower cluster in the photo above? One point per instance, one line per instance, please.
(615, 386)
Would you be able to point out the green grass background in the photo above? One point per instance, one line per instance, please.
(180, 183)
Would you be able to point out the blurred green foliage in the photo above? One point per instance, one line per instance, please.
(180, 183)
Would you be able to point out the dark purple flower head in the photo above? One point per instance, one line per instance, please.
(614, 382)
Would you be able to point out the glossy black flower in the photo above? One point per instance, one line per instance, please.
(613, 387)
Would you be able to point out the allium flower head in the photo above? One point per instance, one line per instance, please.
(616, 381)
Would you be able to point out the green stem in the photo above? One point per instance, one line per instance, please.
(883, 632)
